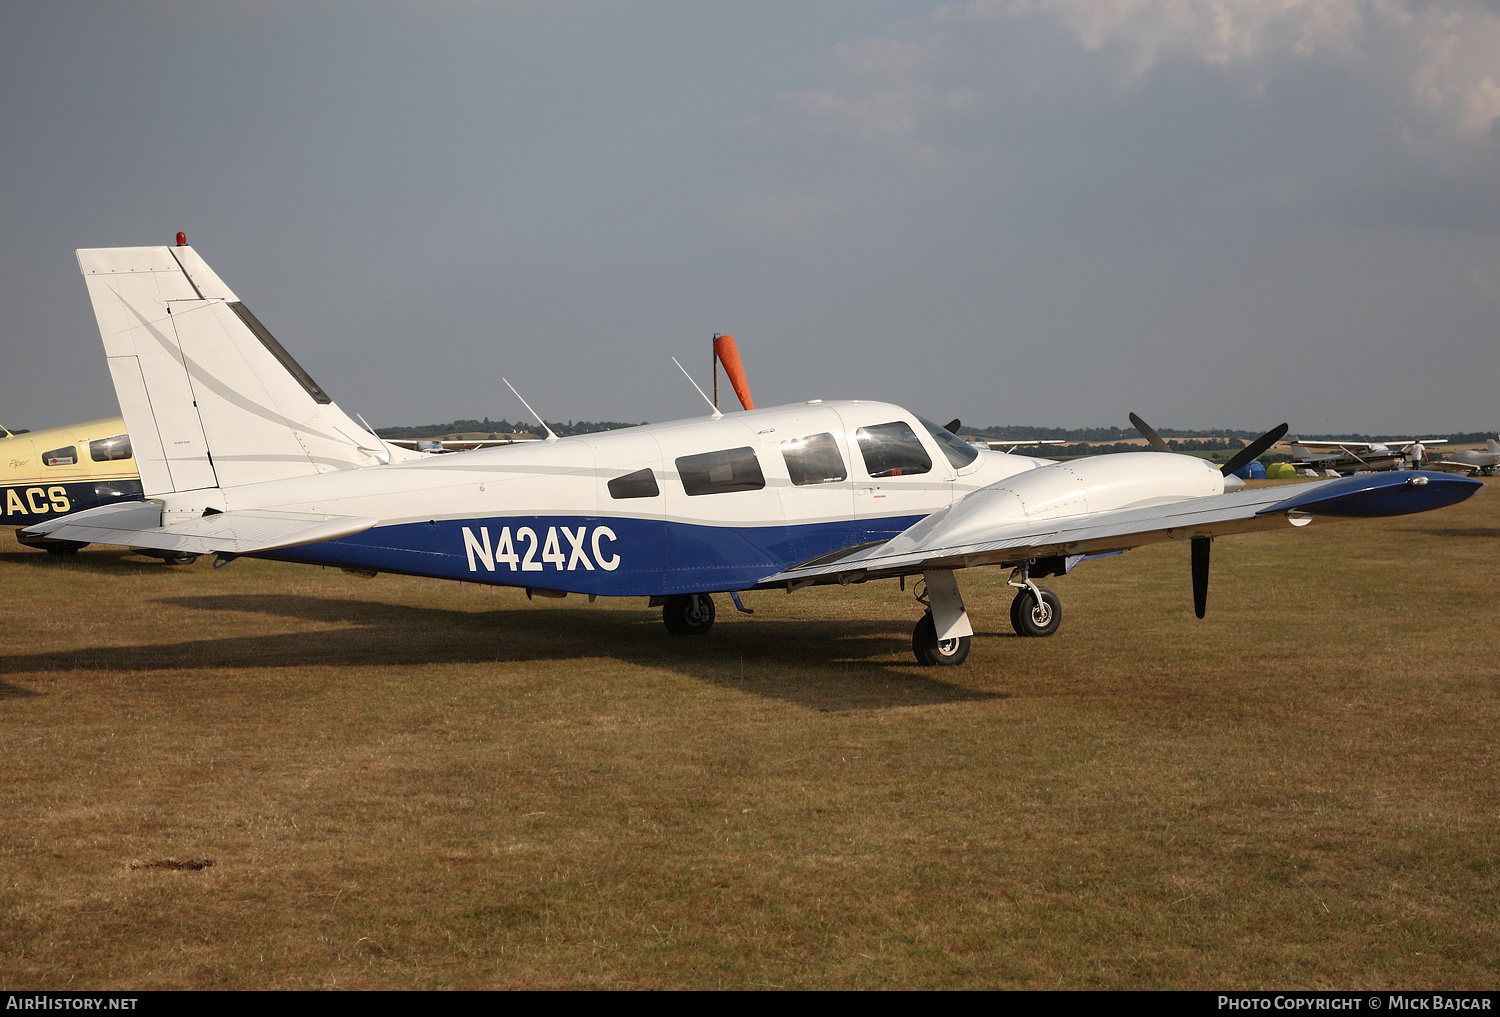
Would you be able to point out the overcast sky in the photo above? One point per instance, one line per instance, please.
(1050, 212)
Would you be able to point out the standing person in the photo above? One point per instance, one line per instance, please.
(1418, 453)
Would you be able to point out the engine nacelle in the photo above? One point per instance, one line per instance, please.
(1096, 484)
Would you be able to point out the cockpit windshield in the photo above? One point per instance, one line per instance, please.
(959, 453)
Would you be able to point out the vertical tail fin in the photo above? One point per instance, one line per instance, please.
(1492, 445)
(210, 398)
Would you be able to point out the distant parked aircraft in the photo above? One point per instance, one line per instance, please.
(51, 473)
(1344, 457)
(1475, 459)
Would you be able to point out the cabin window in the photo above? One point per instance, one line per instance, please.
(734, 469)
(960, 453)
(105, 449)
(640, 484)
(61, 456)
(892, 450)
(814, 459)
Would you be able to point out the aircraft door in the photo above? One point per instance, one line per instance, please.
(899, 479)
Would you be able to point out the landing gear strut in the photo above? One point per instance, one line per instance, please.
(941, 638)
(1036, 611)
(688, 614)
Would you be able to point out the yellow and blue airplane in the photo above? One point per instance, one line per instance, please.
(61, 470)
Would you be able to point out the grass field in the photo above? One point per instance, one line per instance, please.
(410, 783)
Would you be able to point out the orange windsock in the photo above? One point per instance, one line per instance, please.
(729, 356)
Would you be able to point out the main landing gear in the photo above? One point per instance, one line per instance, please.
(942, 636)
(688, 614)
(931, 651)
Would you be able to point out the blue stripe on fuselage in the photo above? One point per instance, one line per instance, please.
(611, 556)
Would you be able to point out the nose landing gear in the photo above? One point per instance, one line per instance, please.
(1036, 611)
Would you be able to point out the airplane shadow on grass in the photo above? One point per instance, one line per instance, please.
(835, 665)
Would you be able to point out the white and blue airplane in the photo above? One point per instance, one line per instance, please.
(241, 453)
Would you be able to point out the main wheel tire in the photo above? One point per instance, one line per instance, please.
(932, 652)
(1029, 618)
(688, 614)
(178, 559)
(63, 546)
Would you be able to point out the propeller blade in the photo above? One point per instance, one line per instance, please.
(1254, 449)
(1200, 574)
(953, 425)
(1149, 434)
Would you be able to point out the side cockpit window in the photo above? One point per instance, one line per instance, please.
(892, 450)
(959, 452)
(640, 484)
(106, 449)
(66, 456)
(734, 469)
(814, 459)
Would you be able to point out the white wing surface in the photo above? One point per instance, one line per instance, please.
(962, 537)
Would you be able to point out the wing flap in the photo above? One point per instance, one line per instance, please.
(139, 524)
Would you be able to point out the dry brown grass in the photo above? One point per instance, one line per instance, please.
(409, 783)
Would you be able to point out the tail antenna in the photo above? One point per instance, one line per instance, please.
(689, 377)
(534, 413)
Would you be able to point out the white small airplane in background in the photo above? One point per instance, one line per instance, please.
(1475, 459)
(242, 453)
(1344, 457)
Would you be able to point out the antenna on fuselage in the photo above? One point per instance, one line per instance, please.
(693, 383)
(534, 413)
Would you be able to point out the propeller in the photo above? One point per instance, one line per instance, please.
(1201, 545)
(1149, 433)
(1200, 574)
(953, 425)
(1252, 451)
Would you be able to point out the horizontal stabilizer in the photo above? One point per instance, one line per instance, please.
(139, 524)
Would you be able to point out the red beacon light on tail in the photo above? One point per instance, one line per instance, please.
(182, 240)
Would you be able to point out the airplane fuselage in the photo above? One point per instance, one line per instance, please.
(691, 506)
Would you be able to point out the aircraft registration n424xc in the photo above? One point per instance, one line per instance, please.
(241, 453)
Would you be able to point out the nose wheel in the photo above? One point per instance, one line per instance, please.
(1036, 611)
(931, 651)
(688, 614)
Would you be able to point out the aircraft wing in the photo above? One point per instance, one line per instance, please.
(1449, 466)
(139, 524)
(926, 546)
(1010, 446)
(1351, 446)
(450, 445)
